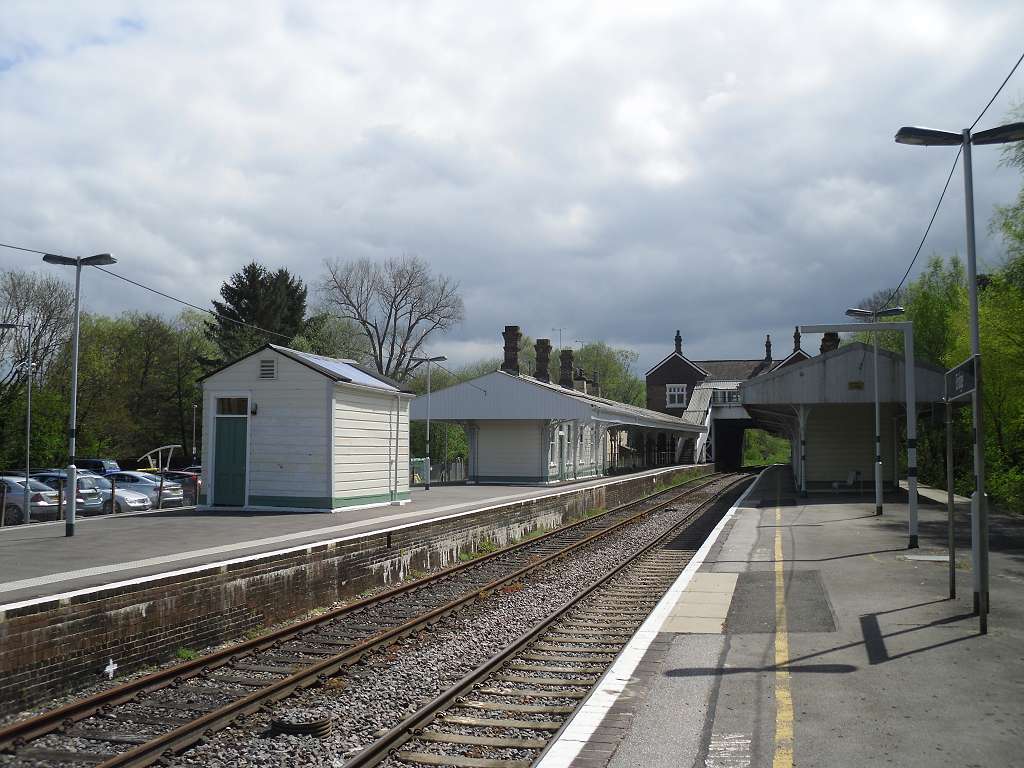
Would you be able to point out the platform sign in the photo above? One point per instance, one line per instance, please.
(960, 381)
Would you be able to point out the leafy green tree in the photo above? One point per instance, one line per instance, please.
(614, 369)
(273, 302)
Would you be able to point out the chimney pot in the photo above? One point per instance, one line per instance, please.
(511, 335)
(768, 348)
(796, 338)
(829, 342)
(565, 368)
(679, 343)
(543, 372)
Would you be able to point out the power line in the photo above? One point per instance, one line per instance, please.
(928, 229)
(998, 91)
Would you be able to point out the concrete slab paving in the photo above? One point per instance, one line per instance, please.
(873, 666)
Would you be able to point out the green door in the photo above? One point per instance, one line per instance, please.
(229, 461)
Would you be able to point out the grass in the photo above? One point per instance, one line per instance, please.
(186, 654)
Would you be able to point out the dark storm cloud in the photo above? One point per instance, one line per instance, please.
(618, 170)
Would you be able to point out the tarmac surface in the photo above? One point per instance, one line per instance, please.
(38, 560)
(835, 646)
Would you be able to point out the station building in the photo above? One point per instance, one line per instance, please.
(529, 429)
(293, 430)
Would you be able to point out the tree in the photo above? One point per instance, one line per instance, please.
(273, 302)
(398, 303)
(614, 369)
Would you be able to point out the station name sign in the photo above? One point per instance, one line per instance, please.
(961, 381)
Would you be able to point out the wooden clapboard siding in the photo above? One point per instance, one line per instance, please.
(366, 458)
(512, 449)
(841, 439)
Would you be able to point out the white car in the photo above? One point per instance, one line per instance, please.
(42, 500)
(145, 483)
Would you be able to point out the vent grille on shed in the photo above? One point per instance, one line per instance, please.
(268, 369)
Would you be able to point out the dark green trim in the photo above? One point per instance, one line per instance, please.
(202, 498)
(510, 479)
(323, 502)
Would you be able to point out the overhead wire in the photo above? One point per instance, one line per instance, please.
(949, 177)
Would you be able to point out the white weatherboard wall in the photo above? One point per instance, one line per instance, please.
(288, 458)
(512, 451)
(367, 462)
(841, 438)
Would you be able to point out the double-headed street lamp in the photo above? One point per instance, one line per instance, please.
(1004, 134)
(428, 361)
(100, 259)
(27, 508)
(873, 315)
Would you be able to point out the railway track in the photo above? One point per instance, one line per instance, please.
(159, 715)
(507, 711)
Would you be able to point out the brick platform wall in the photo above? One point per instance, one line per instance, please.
(59, 645)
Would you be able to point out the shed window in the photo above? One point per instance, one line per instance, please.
(232, 406)
(268, 369)
(675, 396)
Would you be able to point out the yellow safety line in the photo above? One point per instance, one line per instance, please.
(783, 694)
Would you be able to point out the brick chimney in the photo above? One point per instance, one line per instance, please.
(565, 368)
(796, 338)
(595, 384)
(768, 348)
(829, 342)
(679, 343)
(579, 381)
(511, 335)
(543, 372)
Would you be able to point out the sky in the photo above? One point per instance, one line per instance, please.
(615, 169)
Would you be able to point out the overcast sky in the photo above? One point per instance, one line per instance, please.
(619, 170)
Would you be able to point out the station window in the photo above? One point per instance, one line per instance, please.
(675, 396)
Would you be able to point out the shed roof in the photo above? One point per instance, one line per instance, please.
(504, 396)
(337, 369)
(697, 409)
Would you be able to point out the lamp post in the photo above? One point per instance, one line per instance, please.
(194, 406)
(979, 508)
(100, 259)
(428, 361)
(873, 316)
(29, 366)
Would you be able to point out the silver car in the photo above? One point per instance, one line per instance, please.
(143, 482)
(125, 499)
(88, 500)
(42, 500)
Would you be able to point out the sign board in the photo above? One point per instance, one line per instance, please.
(960, 381)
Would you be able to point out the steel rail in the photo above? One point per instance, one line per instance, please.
(17, 735)
(413, 725)
(184, 736)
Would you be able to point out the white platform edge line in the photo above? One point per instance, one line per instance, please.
(587, 719)
(39, 581)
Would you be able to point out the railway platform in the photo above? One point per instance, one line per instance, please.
(804, 633)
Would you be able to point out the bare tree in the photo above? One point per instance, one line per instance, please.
(44, 301)
(398, 304)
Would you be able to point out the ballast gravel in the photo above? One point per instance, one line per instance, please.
(386, 686)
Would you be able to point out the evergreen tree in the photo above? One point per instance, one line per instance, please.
(274, 302)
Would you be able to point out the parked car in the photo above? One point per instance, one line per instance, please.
(42, 500)
(144, 482)
(126, 500)
(87, 501)
(99, 466)
(191, 483)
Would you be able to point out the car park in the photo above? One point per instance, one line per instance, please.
(88, 499)
(172, 494)
(42, 500)
(125, 499)
(191, 483)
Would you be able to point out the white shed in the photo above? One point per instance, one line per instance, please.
(285, 429)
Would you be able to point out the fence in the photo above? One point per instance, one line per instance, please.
(452, 472)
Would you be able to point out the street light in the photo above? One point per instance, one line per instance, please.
(873, 316)
(979, 517)
(27, 508)
(428, 361)
(194, 406)
(100, 259)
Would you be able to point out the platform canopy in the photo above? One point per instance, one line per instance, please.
(503, 396)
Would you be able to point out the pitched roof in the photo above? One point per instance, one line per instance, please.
(682, 357)
(732, 370)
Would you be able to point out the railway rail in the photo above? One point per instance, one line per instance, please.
(161, 714)
(507, 711)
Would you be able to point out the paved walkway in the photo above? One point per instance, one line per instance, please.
(38, 560)
(809, 636)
